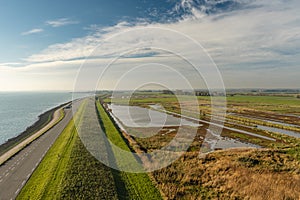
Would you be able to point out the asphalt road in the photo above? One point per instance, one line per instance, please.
(16, 171)
(222, 126)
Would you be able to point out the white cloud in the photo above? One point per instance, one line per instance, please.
(61, 22)
(12, 64)
(33, 31)
(238, 37)
(245, 44)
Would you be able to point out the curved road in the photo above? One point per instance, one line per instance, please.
(16, 171)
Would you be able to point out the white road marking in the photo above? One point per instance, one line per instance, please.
(12, 168)
(17, 191)
(0, 180)
(7, 174)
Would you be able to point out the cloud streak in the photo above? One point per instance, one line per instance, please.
(61, 22)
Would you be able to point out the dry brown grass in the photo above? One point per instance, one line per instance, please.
(234, 174)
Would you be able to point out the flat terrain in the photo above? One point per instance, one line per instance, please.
(269, 172)
(16, 171)
(261, 115)
(69, 171)
(236, 174)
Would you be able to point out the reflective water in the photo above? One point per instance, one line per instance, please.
(278, 130)
(225, 142)
(274, 129)
(18, 110)
(134, 116)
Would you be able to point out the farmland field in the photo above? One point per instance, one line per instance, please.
(233, 173)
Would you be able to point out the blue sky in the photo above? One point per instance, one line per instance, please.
(17, 17)
(254, 43)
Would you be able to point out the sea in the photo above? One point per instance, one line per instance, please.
(19, 110)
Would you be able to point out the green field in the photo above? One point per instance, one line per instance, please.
(273, 100)
(138, 185)
(69, 171)
(236, 100)
(50, 172)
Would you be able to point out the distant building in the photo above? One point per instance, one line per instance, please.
(202, 93)
(208, 93)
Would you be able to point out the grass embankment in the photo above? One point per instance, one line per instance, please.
(43, 120)
(19, 145)
(50, 169)
(68, 171)
(86, 177)
(236, 174)
(138, 185)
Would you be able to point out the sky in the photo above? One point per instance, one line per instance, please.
(129, 44)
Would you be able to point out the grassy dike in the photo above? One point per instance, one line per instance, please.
(43, 120)
(68, 171)
(50, 170)
(138, 185)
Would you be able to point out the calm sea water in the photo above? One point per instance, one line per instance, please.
(20, 110)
